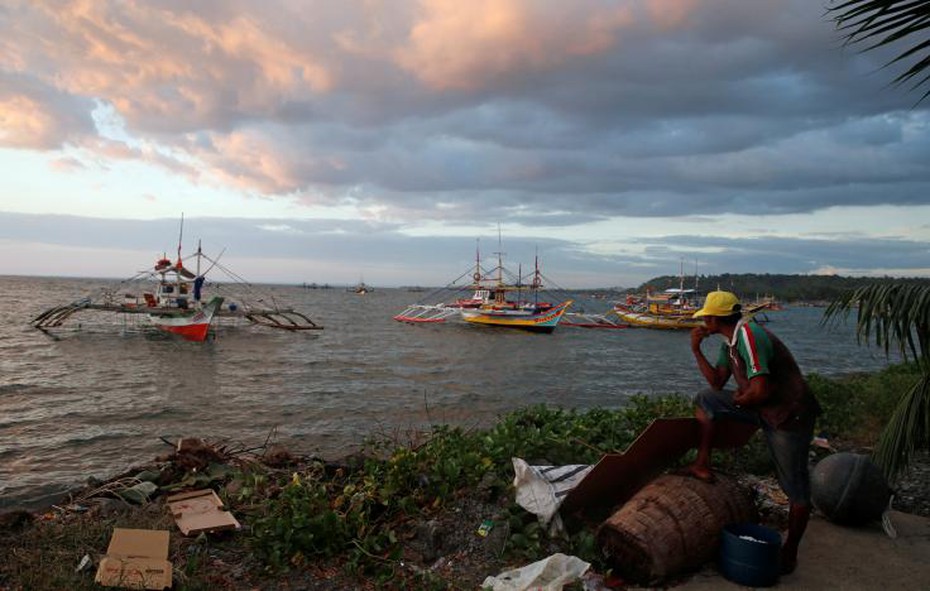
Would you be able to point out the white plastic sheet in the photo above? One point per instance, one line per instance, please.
(541, 489)
(549, 574)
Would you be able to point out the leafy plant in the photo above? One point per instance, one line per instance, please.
(896, 314)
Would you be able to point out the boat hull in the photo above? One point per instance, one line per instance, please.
(537, 321)
(659, 321)
(192, 326)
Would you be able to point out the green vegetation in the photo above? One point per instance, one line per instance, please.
(362, 520)
(784, 287)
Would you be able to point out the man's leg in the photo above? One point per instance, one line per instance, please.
(789, 452)
(701, 467)
(710, 405)
(798, 516)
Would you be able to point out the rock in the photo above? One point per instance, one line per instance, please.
(429, 535)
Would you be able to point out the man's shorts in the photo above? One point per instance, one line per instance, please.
(789, 449)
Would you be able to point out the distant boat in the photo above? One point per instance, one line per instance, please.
(361, 288)
(670, 310)
(768, 302)
(171, 297)
(495, 297)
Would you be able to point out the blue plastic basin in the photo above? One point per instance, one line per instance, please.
(749, 554)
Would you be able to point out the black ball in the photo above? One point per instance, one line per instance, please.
(849, 489)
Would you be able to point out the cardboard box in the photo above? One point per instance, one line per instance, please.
(200, 511)
(136, 559)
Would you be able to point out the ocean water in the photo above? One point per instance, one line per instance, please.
(99, 400)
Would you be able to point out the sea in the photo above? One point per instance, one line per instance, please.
(103, 397)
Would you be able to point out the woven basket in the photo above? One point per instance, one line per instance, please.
(671, 525)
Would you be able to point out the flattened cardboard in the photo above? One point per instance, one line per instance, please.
(136, 559)
(200, 511)
(617, 477)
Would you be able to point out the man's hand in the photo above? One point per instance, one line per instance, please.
(741, 398)
(698, 334)
(757, 393)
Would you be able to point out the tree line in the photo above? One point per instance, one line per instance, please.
(783, 287)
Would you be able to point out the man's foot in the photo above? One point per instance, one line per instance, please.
(700, 472)
(789, 561)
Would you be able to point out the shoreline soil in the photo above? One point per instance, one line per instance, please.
(442, 550)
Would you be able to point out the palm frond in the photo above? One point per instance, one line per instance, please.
(896, 314)
(886, 22)
(906, 431)
(890, 313)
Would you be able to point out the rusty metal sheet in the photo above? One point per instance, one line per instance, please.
(617, 477)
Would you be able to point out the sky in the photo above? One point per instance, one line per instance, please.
(389, 140)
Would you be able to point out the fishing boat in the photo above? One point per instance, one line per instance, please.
(766, 302)
(170, 297)
(672, 309)
(361, 288)
(506, 305)
(492, 297)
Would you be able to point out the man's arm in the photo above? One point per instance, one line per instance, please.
(716, 376)
(758, 391)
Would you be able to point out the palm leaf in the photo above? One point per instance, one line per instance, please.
(890, 314)
(895, 314)
(906, 431)
(885, 22)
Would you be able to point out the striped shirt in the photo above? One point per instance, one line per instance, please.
(755, 351)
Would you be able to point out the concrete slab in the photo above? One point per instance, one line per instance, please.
(849, 559)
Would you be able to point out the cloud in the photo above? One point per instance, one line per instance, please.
(542, 114)
(466, 46)
(34, 115)
(593, 73)
(338, 250)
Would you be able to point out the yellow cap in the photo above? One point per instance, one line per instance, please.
(719, 303)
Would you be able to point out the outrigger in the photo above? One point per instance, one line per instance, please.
(170, 297)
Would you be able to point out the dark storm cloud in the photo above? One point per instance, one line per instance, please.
(689, 100)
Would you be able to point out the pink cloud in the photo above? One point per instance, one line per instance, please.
(465, 45)
(67, 164)
(25, 123)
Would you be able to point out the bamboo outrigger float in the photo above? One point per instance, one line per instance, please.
(170, 297)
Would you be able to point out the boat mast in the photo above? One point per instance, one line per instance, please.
(537, 281)
(500, 296)
(180, 236)
(500, 257)
(179, 264)
(477, 275)
(681, 283)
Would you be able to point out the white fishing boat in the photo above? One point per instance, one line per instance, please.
(171, 297)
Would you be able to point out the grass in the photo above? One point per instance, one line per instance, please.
(356, 523)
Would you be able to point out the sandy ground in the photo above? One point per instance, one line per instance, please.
(834, 557)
